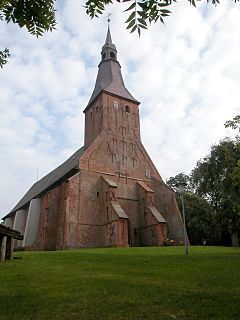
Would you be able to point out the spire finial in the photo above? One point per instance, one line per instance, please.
(109, 38)
(109, 20)
(109, 49)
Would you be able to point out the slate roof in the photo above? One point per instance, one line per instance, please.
(110, 79)
(119, 210)
(157, 214)
(67, 168)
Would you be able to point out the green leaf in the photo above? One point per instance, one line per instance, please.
(132, 15)
(165, 11)
(142, 26)
(133, 5)
(163, 4)
(140, 13)
(134, 28)
(131, 24)
(142, 21)
(161, 19)
(139, 31)
(143, 5)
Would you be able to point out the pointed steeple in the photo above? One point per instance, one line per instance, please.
(109, 78)
(108, 38)
(109, 49)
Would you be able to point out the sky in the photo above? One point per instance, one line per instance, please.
(186, 74)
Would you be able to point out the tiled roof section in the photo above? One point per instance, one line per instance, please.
(110, 79)
(119, 210)
(38, 188)
(110, 182)
(157, 214)
(145, 186)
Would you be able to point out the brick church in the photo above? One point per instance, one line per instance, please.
(108, 193)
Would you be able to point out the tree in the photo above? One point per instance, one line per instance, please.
(213, 194)
(200, 218)
(38, 16)
(181, 177)
(234, 124)
(216, 178)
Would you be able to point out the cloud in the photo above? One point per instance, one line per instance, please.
(185, 74)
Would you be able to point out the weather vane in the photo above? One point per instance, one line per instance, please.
(109, 15)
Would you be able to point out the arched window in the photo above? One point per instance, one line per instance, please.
(127, 109)
(103, 56)
(112, 55)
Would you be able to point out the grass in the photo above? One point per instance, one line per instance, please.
(122, 283)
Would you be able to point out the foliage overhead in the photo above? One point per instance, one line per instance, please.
(142, 13)
(38, 16)
(4, 55)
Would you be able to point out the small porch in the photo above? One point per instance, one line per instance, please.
(7, 236)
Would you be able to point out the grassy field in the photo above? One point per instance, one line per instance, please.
(122, 283)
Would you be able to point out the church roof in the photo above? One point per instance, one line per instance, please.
(66, 169)
(109, 78)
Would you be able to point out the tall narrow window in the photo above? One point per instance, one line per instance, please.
(112, 55)
(115, 105)
(147, 174)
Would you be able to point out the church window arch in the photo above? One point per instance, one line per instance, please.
(112, 55)
(147, 174)
(115, 105)
(103, 56)
(127, 108)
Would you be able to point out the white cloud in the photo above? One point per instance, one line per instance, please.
(185, 74)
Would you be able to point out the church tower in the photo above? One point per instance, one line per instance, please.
(109, 193)
(109, 84)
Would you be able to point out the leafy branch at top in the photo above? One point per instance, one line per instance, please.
(37, 16)
(4, 55)
(142, 13)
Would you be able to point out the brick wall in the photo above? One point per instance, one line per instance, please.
(79, 212)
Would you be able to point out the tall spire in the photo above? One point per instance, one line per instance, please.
(109, 49)
(109, 78)
(109, 38)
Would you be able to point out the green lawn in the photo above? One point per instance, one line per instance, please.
(122, 283)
